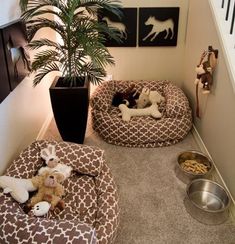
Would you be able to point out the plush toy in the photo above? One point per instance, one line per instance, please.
(41, 208)
(204, 77)
(205, 69)
(18, 188)
(127, 113)
(128, 97)
(49, 187)
(49, 155)
(52, 162)
(148, 97)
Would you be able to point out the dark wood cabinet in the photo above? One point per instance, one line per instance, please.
(14, 58)
(4, 83)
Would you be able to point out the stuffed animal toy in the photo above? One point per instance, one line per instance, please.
(18, 188)
(148, 97)
(127, 113)
(204, 77)
(128, 97)
(52, 162)
(41, 208)
(49, 188)
(205, 68)
(49, 155)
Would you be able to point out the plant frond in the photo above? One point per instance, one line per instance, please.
(108, 5)
(36, 44)
(32, 8)
(95, 74)
(43, 72)
(43, 58)
(83, 34)
(33, 26)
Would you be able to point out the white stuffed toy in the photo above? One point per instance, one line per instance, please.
(52, 162)
(127, 113)
(49, 155)
(18, 188)
(148, 97)
(41, 208)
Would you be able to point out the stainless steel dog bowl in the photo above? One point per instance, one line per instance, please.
(187, 176)
(207, 201)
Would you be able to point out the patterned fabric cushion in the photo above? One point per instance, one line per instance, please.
(142, 131)
(90, 159)
(91, 201)
(17, 227)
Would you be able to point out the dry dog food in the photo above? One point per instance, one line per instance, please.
(193, 166)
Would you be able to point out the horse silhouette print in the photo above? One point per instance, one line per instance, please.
(117, 25)
(18, 53)
(159, 26)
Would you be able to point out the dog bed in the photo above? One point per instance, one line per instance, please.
(142, 131)
(91, 202)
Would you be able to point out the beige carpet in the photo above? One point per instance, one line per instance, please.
(151, 196)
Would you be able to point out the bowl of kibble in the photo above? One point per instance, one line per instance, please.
(192, 165)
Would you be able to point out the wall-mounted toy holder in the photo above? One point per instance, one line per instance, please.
(204, 70)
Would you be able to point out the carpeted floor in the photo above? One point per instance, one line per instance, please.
(152, 197)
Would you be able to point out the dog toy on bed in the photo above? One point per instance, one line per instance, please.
(41, 208)
(127, 113)
(50, 189)
(52, 162)
(18, 188)
(148, 97)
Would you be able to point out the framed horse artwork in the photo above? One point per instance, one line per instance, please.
(126, 26)
(158, 26)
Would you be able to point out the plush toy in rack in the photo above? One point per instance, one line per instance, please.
(148, 97)
(129, 97)
(50, 189)
(52, 162)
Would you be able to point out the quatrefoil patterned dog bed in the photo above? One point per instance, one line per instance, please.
(91, 211)
(142, 131)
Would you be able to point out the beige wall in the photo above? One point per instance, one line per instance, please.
(24, 112)
(152, 62)
(217, 124)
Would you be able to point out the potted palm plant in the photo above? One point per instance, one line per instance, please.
(80, 55)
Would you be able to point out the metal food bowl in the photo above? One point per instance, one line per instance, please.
(200, 158)
(207, 201)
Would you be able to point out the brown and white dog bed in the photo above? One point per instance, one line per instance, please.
(174, 125)
(91, 201)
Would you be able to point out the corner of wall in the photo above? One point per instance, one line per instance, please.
(44, 127)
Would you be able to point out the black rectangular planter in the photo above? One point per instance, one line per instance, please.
(70, 108)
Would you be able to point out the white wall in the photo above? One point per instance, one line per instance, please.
(217, 124)
(24, 111)
(9, 11)
(152, 62)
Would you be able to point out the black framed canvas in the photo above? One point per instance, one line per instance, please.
(127, 26)
(158, 26)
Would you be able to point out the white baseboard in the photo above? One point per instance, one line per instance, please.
(45, 126)
(216, 175)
